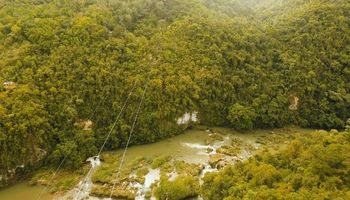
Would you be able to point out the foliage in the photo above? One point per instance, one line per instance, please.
(78, 60)
(183, 187)
(160, 161)
(241, 117)
(63, 181)
(313, 166)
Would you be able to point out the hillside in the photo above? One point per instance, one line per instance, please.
(244, 64)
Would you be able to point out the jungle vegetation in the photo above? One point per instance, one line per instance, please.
(245, 64)
(310, 167)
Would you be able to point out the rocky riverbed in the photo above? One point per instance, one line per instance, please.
(190, 155)
(150, 169)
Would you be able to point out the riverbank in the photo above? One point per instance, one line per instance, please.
(153, 168)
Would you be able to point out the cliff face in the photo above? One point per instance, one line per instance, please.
(11, 176)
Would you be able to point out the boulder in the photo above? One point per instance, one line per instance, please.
(215, 159)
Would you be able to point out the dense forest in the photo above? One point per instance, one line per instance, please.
(244, 64)
(313, 167)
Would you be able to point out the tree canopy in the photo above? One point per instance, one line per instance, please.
(310, 167)
(237, 63)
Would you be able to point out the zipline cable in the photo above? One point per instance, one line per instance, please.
(66, 155)
(130, 134)
(74, 142)
(108, 135)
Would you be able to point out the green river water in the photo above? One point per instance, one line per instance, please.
(23, 191)
(189, 147)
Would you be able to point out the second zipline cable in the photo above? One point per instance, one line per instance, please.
(129, 138)
(107, 137)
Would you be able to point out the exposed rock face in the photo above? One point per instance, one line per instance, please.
(84, 124)
(294, 104)
(187, 118)
(223, 164)
(215, 159)
(3, 180)
(11, 176)
(9, 85)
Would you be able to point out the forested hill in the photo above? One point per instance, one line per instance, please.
(240, 63)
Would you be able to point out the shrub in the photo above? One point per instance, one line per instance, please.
(241, 117)
(183, 187)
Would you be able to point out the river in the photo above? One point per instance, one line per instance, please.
(191, 147)
(23, 191)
